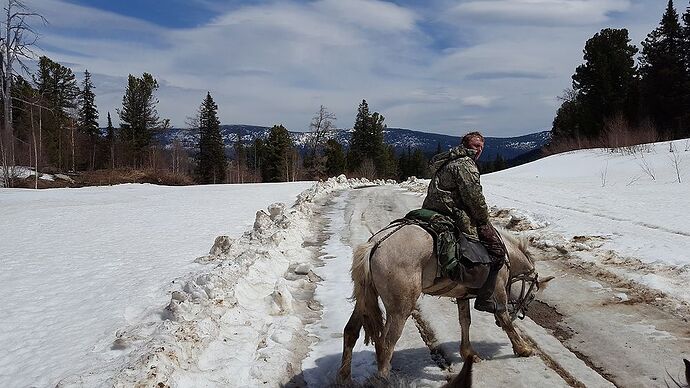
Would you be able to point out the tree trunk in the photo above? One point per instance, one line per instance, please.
(72, 136)
(33, 135)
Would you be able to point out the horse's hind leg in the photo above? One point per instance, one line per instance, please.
(350, 336)
(395, 323)
(466, 350)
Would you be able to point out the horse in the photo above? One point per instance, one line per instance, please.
(401, 265)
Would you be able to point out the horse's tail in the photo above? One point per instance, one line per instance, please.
(364, 293)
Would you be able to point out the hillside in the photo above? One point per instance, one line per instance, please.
(508, 147)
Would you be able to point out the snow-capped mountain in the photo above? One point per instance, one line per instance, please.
(401, 139)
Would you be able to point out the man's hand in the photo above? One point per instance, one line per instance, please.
(491, 240)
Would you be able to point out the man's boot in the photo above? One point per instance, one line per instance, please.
(485, 297)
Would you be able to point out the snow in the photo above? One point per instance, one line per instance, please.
(623, 211)
(81, 263)
(116, 286)
(23, 172)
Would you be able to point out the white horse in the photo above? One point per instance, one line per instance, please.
(399, 267)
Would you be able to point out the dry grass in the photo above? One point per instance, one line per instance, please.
(618, 135)
(118, 176)
(109, 177)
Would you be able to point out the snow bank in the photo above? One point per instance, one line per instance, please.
(620, 214)
(233, 323)
(23, 172)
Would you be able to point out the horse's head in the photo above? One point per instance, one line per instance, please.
(523, 282)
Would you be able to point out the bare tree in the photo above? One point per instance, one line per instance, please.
(321, 124)
(16, 41)
(675, 159)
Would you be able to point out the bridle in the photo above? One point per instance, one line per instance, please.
(517, 308)
(529, 285)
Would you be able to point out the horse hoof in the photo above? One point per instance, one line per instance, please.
(474, 357)
(524, 352)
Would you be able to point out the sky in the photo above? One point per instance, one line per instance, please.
(442, 66)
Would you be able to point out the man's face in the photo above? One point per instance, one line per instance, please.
(476, 144)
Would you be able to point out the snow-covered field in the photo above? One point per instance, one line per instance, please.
(627, 213)
(78, 264)
(115, 286)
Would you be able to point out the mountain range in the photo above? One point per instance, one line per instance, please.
(507, 147)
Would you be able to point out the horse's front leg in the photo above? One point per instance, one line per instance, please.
(520, 346)
(466, 350)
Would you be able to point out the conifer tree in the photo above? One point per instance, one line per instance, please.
(57, 86)
(360, 139)
(88, 116)
(335, 158)
(110, 139)
(138, 116)
(278, 152)
(211, 158)
(664, 75)
(367, 142)
(606, 83)
(567, 124)
(686, 52)
(686, 38)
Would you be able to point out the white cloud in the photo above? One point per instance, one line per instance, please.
(478, 101)
(276, 62)
(544, 12)
(376, 15)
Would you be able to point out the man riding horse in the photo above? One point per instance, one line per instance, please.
(456, 192)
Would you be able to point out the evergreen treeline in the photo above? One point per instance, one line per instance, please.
(50, 122)
(55, 121)
(616, 101)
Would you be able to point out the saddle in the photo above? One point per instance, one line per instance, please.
(460, 257)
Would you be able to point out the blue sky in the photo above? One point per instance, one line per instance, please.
(444, 66)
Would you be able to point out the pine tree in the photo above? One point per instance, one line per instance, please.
(88, 116)
(686, 38)
(664, 76)
(278, 153)
(335, 158)
(606, 83)
(567, 125)
(211, 158)
(57, 86)
(360, 140)
(686, 51)
(110, 139)
(138, 116)
(367, 142)
(419, 164)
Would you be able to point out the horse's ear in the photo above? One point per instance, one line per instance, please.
(544, 282)
(687, 371)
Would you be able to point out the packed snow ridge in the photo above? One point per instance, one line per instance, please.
(232, 324)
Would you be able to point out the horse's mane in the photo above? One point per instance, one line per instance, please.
(522, 243)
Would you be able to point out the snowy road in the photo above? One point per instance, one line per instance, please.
(588, 331)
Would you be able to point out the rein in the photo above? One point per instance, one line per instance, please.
(395, 226)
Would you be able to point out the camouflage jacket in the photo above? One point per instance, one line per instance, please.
(455, 190)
